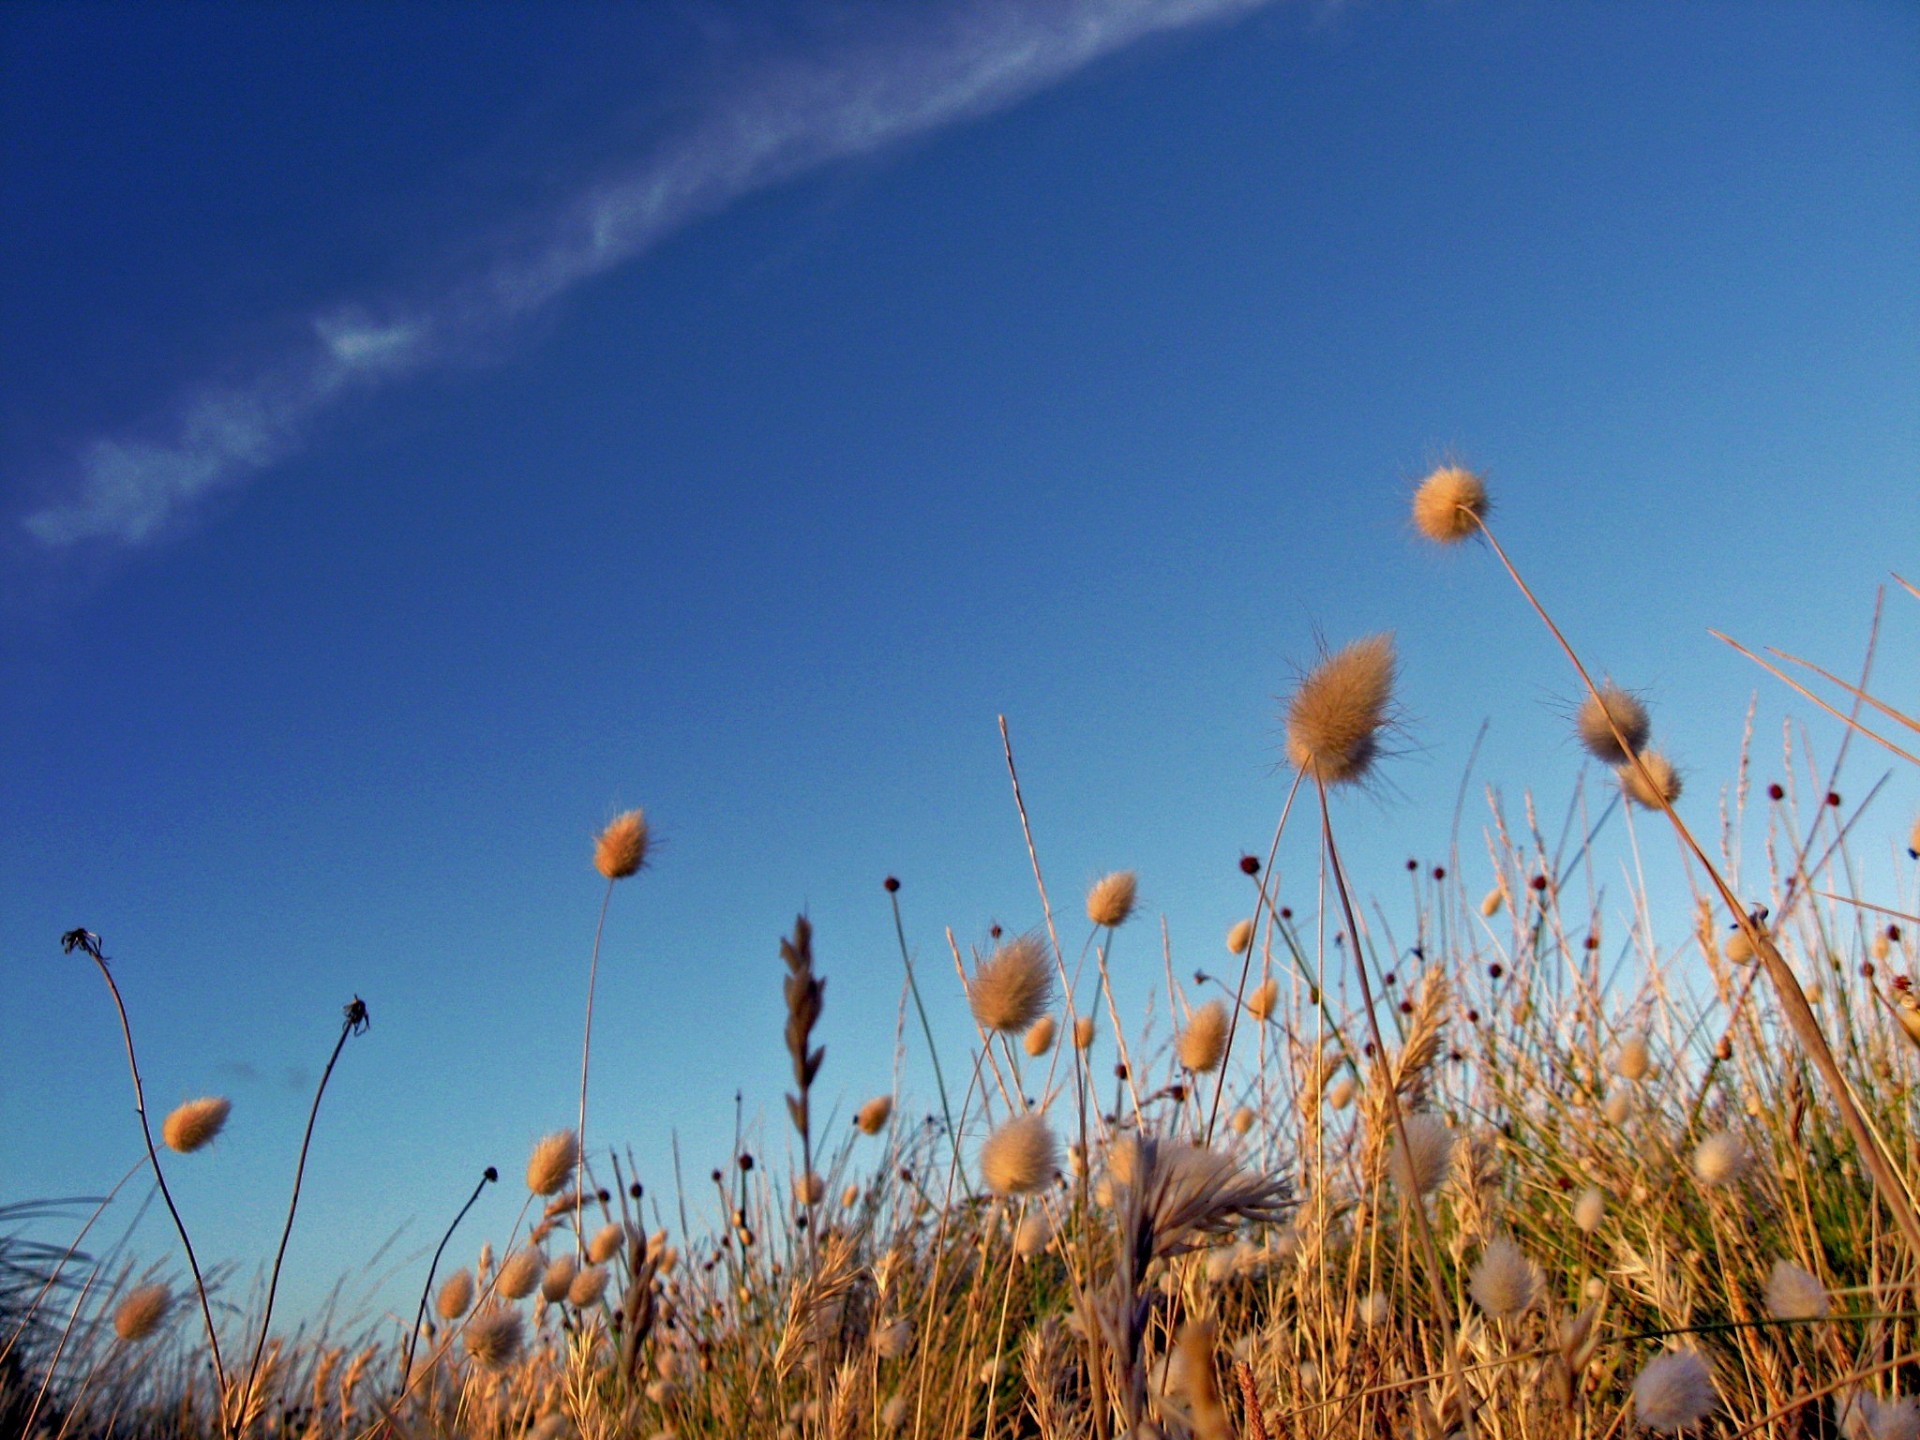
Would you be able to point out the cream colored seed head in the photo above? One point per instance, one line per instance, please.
(1720, 1159)
(1083, 1032)
(520, 1273)
(1626, 714)
(1204, 1042)
(140, 1313)
(1590, 1209)
(1674, 1391)
(1240, 937)
(195, 1123)
(456, 1295)
(1420, 1162)
(1242, 1120)
(1019, 1157)
(1039, 1037)
(1495, 898)
(1882, 945)
(587, 1287)
(553, 1162)
(1340, 1095)
(1449, 505)
(1264, 999)
(1011, 988)
(1665, 781)
(558, 1279)
(493, 1338)
(1336, 715)
(621, 848)
(1112, 897)
(606, 1243)
(1618, 1107)
(1034, 1233)
(872, 1117)
(1795, 1294)
(1504, 1283)
(1632, 1059)
(809, 1189)
(1739, 949)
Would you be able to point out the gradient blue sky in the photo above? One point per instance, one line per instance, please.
(428, 430)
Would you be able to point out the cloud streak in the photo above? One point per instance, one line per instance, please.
(794, 116)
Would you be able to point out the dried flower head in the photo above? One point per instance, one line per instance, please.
(1590, 1209)
(587, 1287)
(1110, 901)
(1020, 1156)
(1659, 770)
(553, 1161)
(140, 1313)
(558, 1279)
(1263, 999)
(1374, 1309)
(1083, 1032)
(1340, 1093)
(520, 1273)
(1721, 1158)
(872, 1117)
(622, 847)
(607, 1242)
(1012, 986)
(1449, 505)
(1618, 1106)
(1631, 1061)
(493, 1338)
(1504, 1283)
(1241, 1120)
(1204, 1042)
(1795, 1294)
(1240, 937)
(1034, 1233)
(893, 1339)
(809, 1189)
(456, 1295)
(195, 1123)
(1864, 1416)
(1039, 1037)
(1674, 1391)
(1600, 715)
(1336, 714)
(1420, 1163)
(1495, 898)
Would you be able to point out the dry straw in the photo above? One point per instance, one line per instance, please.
(140, 1313)
(1111, 899)
(1012, 987)
(1336, 714)
(195, 1123)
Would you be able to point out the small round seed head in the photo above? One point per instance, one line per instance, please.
(587, 1287)
(553, 1162)
(809, 1189)
(1913, 842)
(1674, 1391)
(1590, 1209)
(1340, 1093)
(1665, 781)
(894, 1339)
(1012, 986)
(1618, 1107)
(1795, 1294)
(1033, 1234)
(520, 1273)
(1083, 1032)
(1039, 1037)
(1631, 1061)
(1495, 898)
(1020, 1156)
(195, 1123)
(1263, 999)
(1336, 715)
(850, 1196)
(1449, 505)
(1602, 714)
(622, 847)
(1721, 1159)
(1240, 937)
(872, 1117)
(1110, 901)
(493, 1338)
(1242, 1120)
(1204, 1041)
(1739, 949)
(893, 1414)
(456, 1295)
(1420, 1162)
(1374, 1310)
(558, 1280)
(607, 1242)
(1505, 1283)
(140, 1313)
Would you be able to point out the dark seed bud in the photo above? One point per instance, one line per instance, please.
(892, 884)
(1774, 791)
(1439, 872)
(492, 1174)
(1833, 798)
(1249, 865)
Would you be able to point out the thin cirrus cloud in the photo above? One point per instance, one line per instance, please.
(956, 64)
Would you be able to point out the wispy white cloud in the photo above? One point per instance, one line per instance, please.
(942, 67)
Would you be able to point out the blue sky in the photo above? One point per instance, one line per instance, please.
(426, 431)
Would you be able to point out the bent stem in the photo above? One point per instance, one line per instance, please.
(89, 942)
(413, 1336)
(1793, 1003)
(353, 1021)
(933, 1051)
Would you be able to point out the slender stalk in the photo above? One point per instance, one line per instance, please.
(87, 941)
(586, 1052)
(913, 985)
(487, 1178)
(353, 1022)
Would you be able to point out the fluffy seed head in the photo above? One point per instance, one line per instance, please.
(1449, 505)
(1628, 716)
(1505, 1282)
(1420, 1164)
(1039, 1037)
(1590, 1209)
(1083, 1032)
(1204, 1041)
(606, 1243)
(1013, 985)
(1674, 1391)
(1665, 786)
(1336, 714)
(1631, 1061)
(872, 1117)
(1240, 937)
(558, 1280)
(1020, 1156)
(1794, 1293)
(1374, 1309)
(520, 1273)
(1034, 1233)
(553, 1162)
(622, 847)
(587, 1287)
(140, 1314)
(894, 1339)
(1721, 1158)
(1618, 1106)
(1864, 1416)
(810, 1189)
(1340, 1093)
(1264, 997)
(195, 1123)
(1490, 906)
(493, 1338)
(1110, 901)
(1241, 1121)
(456, 1295)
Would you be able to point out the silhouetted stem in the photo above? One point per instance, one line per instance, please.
(420, 1315)
(586, 1052)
